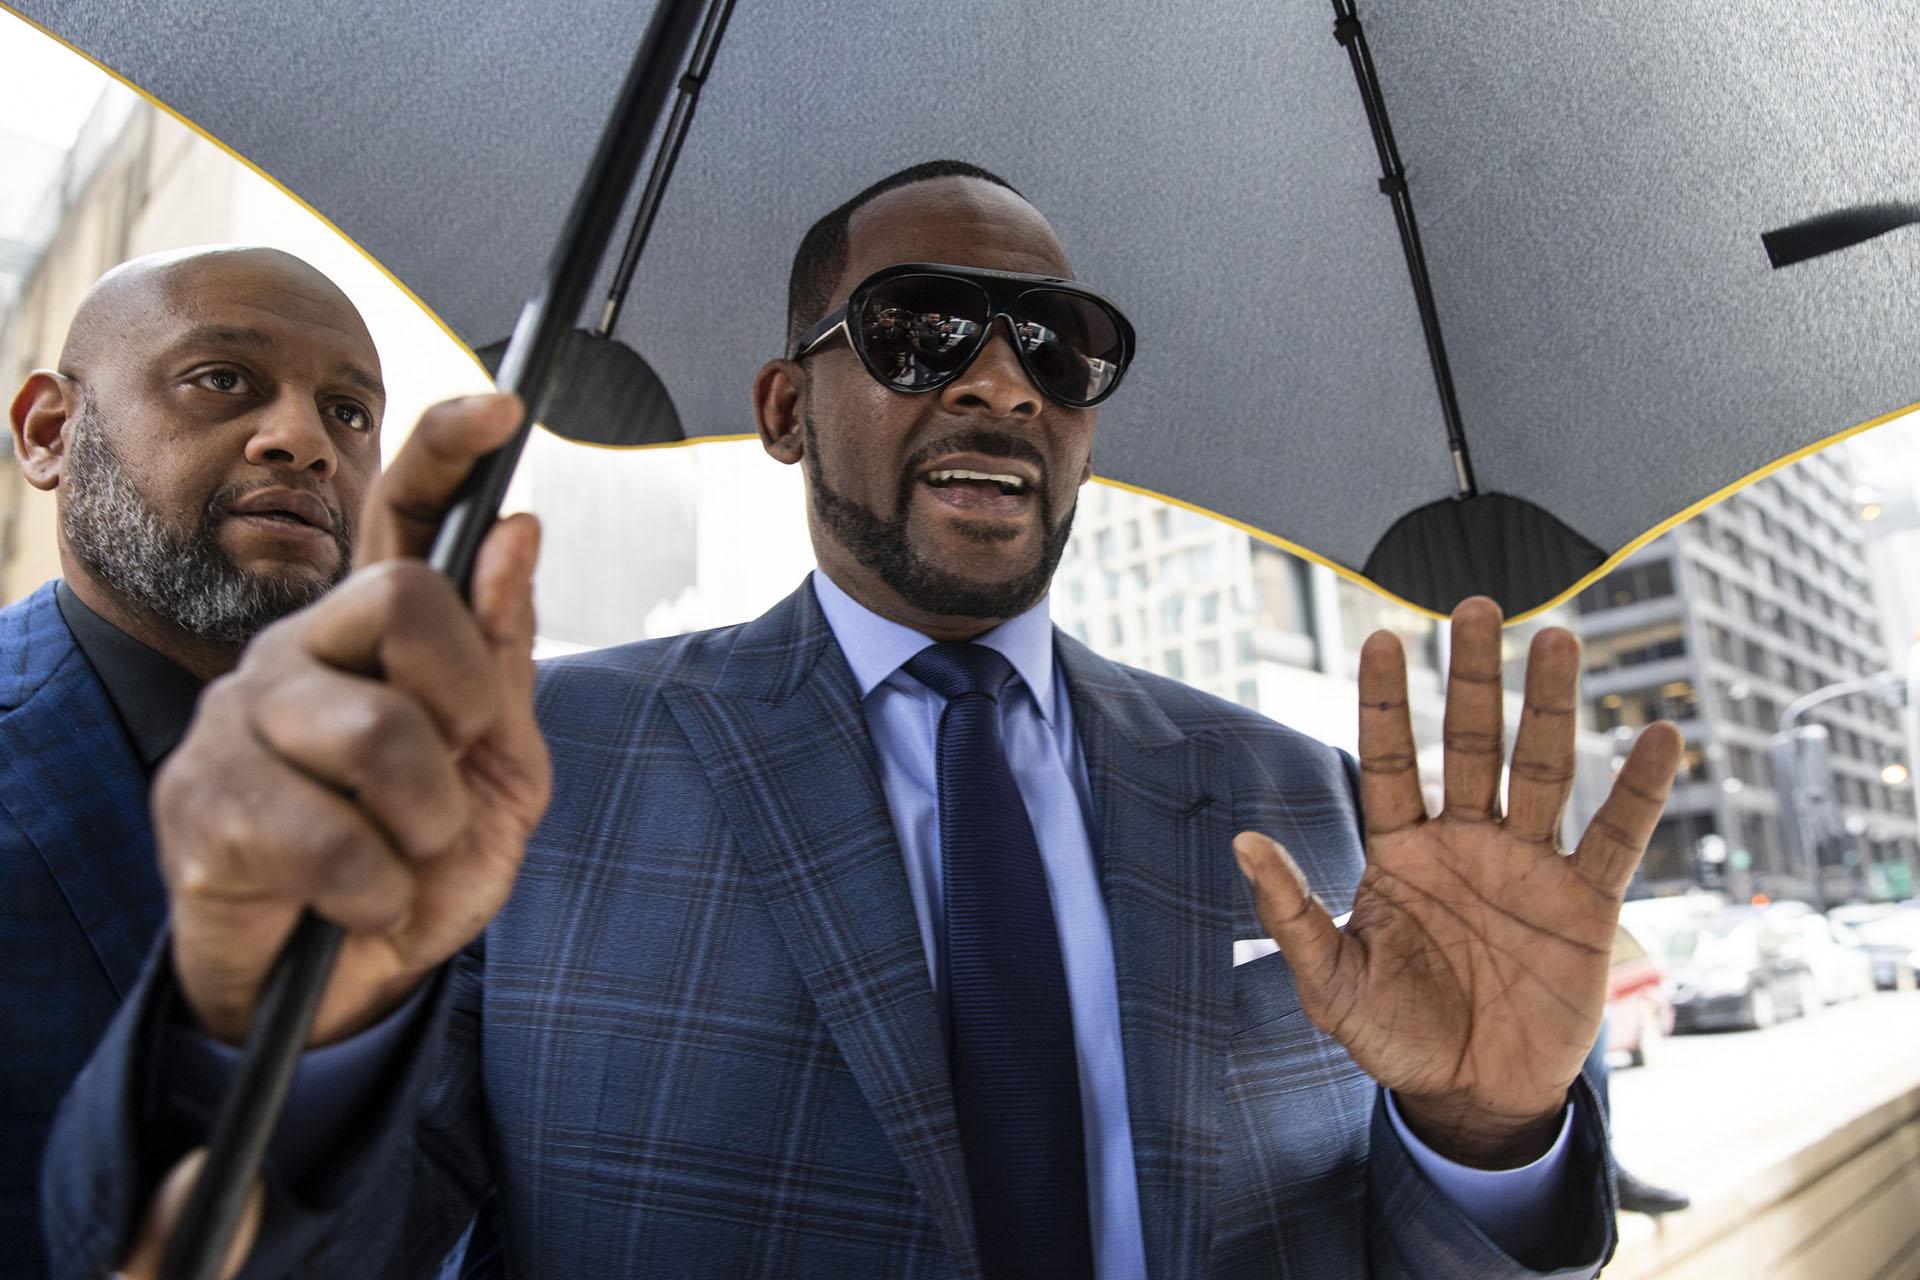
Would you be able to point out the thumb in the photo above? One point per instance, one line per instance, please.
(163, 1215)
(1289, 912)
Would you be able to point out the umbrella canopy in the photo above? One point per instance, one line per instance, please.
(1591, 183)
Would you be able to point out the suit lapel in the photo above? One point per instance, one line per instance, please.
(70, 782)
(1162, 803)
(787, 751)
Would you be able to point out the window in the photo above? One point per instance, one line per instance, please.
(1116, 633)
(1171, 609)
(1247, 694)
(1209, 655)
(1175, 664)
(1103, 544)
(1628, 585)
(1210, 607)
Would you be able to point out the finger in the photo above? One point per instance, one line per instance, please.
(1290, 913)
(149, 1250)
(1618, 834)
(503, 584)
(407, 504)
(374, 743)
(1473, 731)
(406, 624)
(1541, 777)
(1389, 767)
(270, 832)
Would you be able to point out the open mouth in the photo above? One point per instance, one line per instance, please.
(1005, 483)
(979, 492)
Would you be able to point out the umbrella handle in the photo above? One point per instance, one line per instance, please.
(291, 995)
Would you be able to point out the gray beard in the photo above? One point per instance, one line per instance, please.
(881, 543)
(183, 577)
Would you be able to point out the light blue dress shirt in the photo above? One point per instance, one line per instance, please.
(1513, 1207)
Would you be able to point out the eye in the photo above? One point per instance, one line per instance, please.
(225, 381)
(355, 417)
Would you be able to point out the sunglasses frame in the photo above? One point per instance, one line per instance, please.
(1004, 291)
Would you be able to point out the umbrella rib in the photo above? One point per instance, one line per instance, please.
(698, 67)
(1352, 36)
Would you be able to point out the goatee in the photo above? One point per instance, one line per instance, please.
(883, 546)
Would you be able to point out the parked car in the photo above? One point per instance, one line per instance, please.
(1639, 1013)
(1841, 967)
(1735, 969)
(1892, 943)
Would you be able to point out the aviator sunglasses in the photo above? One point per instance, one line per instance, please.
(916, 327)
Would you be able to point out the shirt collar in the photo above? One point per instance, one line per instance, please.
(153, 695)
(876, 647)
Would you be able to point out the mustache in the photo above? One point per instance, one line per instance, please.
(982, 440)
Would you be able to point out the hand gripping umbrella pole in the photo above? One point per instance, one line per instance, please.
(291, 994)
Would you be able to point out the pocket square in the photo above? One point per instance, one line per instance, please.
(1247, 950)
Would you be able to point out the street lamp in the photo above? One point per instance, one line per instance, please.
(1894, 773)
(1803, 771)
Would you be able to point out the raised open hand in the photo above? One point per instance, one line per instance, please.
(1472, 976)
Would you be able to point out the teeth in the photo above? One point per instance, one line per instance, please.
(1008, 484)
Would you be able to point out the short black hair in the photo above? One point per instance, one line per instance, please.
(822, 254)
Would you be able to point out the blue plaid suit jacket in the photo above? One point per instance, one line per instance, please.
(80, 898)
(701, 1041)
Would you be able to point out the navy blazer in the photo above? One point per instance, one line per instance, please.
(80, 896)
(700, 1040)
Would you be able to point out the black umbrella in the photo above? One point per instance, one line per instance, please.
(1466, 298)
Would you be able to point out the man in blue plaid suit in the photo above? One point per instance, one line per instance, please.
(190, 469)
(713, 1032)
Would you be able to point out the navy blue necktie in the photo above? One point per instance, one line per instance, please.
(1015, 1082)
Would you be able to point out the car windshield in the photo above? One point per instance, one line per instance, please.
(1709, 947)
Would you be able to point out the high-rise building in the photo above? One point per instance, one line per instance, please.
(1720, 626)
(1187, 596)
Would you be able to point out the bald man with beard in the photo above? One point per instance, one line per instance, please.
(209, 437)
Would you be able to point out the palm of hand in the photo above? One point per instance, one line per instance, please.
(1474, 966)
(1472, 976)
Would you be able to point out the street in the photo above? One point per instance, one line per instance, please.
(1710, 1108)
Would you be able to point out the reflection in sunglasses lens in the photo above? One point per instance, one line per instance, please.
(1071, 344)
(920, 328)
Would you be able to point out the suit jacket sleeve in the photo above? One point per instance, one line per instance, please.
(399, 1187)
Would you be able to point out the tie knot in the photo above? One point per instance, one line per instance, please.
(951, 670)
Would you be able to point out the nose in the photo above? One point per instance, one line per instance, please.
(290, 434)
(994, 385)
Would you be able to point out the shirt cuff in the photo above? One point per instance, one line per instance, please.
(330, 1084)
(1514, 1208)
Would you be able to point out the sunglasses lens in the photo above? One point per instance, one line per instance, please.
(915, 330)
(1072, 344)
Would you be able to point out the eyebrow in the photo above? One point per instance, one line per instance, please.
(260, 340)
(229, 336)
(360, 378)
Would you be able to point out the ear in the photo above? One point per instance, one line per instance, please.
(777, 409)
(41, 409)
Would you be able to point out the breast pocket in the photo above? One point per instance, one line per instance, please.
(1263, 993)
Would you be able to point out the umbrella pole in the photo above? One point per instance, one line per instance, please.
(291, 994)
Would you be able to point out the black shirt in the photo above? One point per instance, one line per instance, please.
(153, 695)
